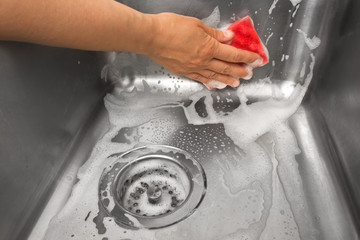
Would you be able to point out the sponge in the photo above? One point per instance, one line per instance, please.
(246, 38)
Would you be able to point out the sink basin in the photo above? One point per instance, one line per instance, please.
(124, 149)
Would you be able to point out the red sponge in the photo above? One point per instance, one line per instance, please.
(246, 38)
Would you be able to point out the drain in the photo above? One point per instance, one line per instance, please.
(152, 187)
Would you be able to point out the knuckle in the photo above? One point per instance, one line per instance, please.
(196, 77)
(196, 62)
(212, 75)
(209, 48)
(226, 70)
(213, 47)
(238, 56)
(207, 52)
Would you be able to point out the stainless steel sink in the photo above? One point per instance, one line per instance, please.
(113, 146)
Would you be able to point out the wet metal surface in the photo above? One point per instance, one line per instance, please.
(275, 168)
(157, 185)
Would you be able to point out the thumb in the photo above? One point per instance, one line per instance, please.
(222, 36)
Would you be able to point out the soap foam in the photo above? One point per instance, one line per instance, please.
(251, 192)
(215, 84)
(213, 20)
(268, 38)
(313, 42)
(247, 178)
(272, 7)
(295, 11)
(295, 2)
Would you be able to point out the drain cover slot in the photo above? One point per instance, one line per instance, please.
(153, 186)
(158, 186)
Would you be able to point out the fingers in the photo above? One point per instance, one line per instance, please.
(249, 70)
(198, 77)
(205, 76)
(233, 82)
(221, 36)
(231, 54)
(231, 69)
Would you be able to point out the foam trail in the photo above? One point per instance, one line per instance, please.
(295, 11)
(213, 20)
(280, 212)
(313, 42)
(247, 183)
(295, 2)
(251, 186)
(268, 38)
(272, 7)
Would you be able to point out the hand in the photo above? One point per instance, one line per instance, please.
(186, 46)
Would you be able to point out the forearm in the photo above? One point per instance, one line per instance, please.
(183, 45)
(84, 24)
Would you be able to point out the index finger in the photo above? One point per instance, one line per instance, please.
(229, 53)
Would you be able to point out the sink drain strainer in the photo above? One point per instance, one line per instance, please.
(152, 187)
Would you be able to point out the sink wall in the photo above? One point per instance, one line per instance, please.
(338, 99)
(43, 109)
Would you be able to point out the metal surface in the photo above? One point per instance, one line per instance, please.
(157, 185)
(43, 109)
(46, 96)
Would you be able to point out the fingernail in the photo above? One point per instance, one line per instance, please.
(258, 62)
(249, 69)
(229, 34)
(236, 83)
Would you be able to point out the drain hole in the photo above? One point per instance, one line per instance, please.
(153, 187)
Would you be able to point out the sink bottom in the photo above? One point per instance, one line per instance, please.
(265, 175)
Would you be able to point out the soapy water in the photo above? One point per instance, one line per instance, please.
(171, 183)
(272, 7)
(248, 153)
(242, 182)
(313, 42)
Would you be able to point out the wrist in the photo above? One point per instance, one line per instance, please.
(151, 35)
(135, 31)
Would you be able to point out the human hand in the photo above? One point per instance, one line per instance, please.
(186, 46)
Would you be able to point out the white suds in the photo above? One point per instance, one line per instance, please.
(272, 7)
(215, 84)
(295, 11)
(241, 188)
(313, 42)
(213, 20)
(245, 188)
(302, 72)
(249, 69)
(295, 2)
(268, 38)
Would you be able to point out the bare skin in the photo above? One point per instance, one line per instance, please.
(184, 45)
